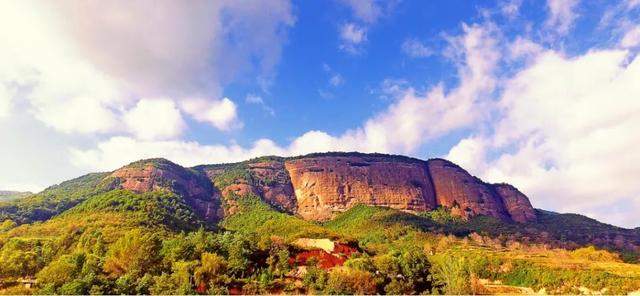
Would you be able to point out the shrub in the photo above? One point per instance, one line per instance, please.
(350, 281)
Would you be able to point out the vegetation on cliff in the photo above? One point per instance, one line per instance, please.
(88, 236)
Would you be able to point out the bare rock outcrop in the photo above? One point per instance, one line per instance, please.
(273, 184)
(516, 203)
(318, 186)
(326, 185)
(161, 174)
(464, 194)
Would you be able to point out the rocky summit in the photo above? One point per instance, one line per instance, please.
(319, 186)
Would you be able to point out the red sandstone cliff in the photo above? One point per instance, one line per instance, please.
(317, 187)
(464, 194)
(516, 203)
(328, 185)
(161, 174)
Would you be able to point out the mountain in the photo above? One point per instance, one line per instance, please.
(319, 186)
(334, 223)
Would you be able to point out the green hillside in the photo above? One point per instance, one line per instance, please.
(84, 237)
(53, 200)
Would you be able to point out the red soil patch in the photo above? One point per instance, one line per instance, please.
(326, 260)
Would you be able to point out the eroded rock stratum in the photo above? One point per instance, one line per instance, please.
(319, 186)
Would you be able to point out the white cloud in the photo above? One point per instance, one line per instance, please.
(118, 151)
(189, 47)
(393, 87)
(511, 8)
(336, 80)
(76, 115)
(632, 3)
(80, 64)
(366, 10)
(415, 49)
(257, 100)
(568, 126)
(470, 153)
(416, 118)
(70, 71)
(561, 15)
(409, 122)
(222, 114)
(5, 102)
(351, 36)
(254, 99)
(40, 66)
(631, 38)
(524, 48)
(155, 119)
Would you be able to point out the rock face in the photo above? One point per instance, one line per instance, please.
(266, 179)
(161, 174)
(516, 203)
(464, 194)
(317, 187)
(327, 185)
(274, 185)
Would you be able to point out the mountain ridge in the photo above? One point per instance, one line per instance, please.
(155, 227)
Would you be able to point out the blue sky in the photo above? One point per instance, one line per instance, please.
(542, 94)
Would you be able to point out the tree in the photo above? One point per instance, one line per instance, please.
(278, 260)
(178, 282)
(415, 267)
(17, 258)
(315, 279)
(450, 274)
(211, 271)
(349, 281)
(135, 253)
(62, 271)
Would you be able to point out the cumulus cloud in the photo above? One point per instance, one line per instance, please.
(415, 118)
(178, 48)
(567, 131)
(562, 14)
(410, 121)
(75, 71)
(80, 64)
(415, 49)
(222, 114)
(167, 121)
(40, 66)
